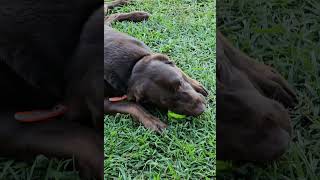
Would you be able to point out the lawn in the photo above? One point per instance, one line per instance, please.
(285, 35)
(39, 168)
(185, 31)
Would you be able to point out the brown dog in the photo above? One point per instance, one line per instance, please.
(145, 77)
(252, 123)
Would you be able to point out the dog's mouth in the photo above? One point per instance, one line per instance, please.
(192, 110)
(199, 109)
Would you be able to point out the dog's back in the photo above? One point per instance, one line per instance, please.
(121, 52)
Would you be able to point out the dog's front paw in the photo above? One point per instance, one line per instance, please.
(154, 124)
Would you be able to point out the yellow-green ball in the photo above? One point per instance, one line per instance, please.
(173, 115)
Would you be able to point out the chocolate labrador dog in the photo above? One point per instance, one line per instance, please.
(132, 69)
(252, 122)
(51, 53)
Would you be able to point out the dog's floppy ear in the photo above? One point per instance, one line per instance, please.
(161, 57)
(137, 83)
(158, 57)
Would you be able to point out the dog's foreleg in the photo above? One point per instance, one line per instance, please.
(138, 113)
(136, 16)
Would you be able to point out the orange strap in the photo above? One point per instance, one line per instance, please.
(117, 99)
(40, 115)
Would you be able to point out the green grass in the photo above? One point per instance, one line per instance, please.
(185, 31)
(40, 168)
(284, 34)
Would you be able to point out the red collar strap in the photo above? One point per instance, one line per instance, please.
(40, 115)
(118, 99)
(43, 115)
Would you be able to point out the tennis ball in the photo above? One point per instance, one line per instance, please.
(173, 115)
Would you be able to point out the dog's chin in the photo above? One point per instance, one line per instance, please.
(198, 110)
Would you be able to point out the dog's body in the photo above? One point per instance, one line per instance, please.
(50, 53)
(119, 63)
(131, 68)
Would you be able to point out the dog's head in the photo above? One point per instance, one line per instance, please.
(158, 80)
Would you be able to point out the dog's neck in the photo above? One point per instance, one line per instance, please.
(120, 80)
